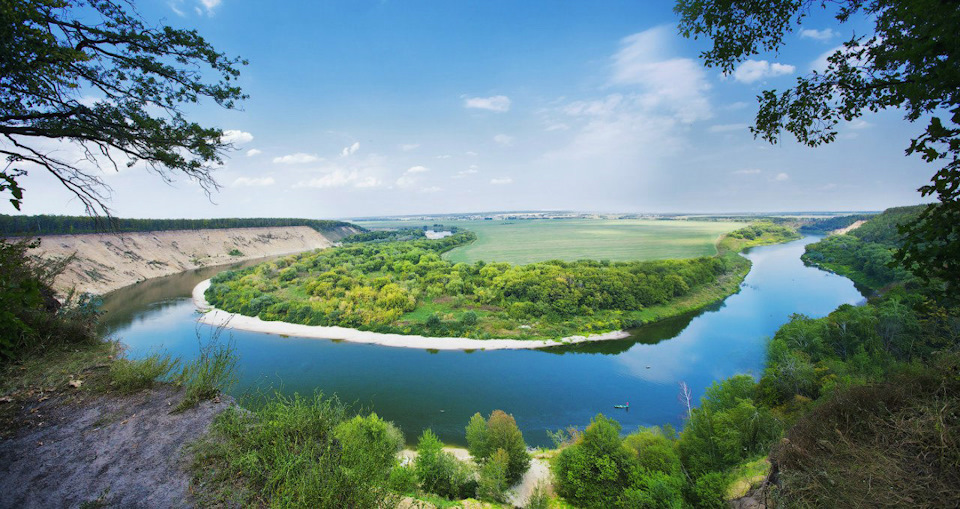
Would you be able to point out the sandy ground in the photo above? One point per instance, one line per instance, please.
(518, 494)
(122, 451)
(854, 226)
(105, 262)
(220, 318)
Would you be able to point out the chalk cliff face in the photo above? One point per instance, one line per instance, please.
(108, 261)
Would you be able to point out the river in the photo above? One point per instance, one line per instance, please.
(543, 389)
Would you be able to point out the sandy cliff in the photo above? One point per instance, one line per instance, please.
(106, 262)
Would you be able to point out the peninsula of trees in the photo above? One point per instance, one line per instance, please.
(406, 287)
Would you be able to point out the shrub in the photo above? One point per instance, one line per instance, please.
(286, 453)
(500, 431)
(439, 472)
(370, 447)
(493, 477)
(593, 472)
(403, 479)
(710, 491)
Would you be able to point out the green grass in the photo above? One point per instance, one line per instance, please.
(529, 241)
(129, 376)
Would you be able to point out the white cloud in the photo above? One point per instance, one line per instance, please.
(341, 178)
(472, 153)
(560, 126)
(751, 171)
(253, 182)
(444, 156)
(406, 181)
(236, 136)
(820, 35)
(501, 181)
(254, 152)
(498, 103)
(417, 169)
(673, 85)
(754, 70)
(210, 5)
(298, 158)
(407, 147)
(725, 128)
(503, 139)
(350, 150)
(859, 124)
(781, 177)
(431, 189)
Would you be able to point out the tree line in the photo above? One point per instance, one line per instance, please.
(22, 226)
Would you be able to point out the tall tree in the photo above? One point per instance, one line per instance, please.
(910, 62)
(93, 74)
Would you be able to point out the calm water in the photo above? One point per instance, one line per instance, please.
(544, 390)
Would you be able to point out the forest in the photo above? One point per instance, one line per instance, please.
(406, 287)
(866, 254)
(20, 226)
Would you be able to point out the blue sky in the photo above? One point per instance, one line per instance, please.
(374, 108)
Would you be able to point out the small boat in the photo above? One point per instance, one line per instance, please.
(627, 406)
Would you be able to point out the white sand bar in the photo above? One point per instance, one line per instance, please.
(217, 317)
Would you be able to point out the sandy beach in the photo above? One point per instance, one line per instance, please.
(217, 317)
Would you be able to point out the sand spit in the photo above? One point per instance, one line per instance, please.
(217, 317)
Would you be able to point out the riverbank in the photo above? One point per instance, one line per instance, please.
(220, 318)
(104, 262)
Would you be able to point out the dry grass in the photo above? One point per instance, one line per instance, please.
(895, 444)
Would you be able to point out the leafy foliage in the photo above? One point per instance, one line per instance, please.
(488, 437)
(296, 452)
(439, 471)
(908, 63)
(31, 317)
(54, 51)
(406, 287)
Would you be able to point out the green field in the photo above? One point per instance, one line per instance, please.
(527, 241)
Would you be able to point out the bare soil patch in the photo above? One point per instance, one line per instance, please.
(114, 451)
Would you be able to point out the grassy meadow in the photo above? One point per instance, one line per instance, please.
(528, 241)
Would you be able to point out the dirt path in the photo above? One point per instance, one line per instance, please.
(118, 451)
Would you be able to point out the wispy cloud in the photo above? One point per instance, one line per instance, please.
(254, 152)
(504, 140)
(298, 158)
(209, 5)
(781, 177)
(408, 147)
(417, 169)
(501, 181)
(497, 103)
(749, 171)
(754, 70)
(253, 182)
(350, 150)
(821, 35)
(431, 189)
(726, 128)
(341, 178)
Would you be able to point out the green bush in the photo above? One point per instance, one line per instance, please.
(493, 477)
(294, 452)
(31, 318)
(403, 479)
(500, 431)
(211, 373)
(370, 447)
(710, 491)
(594, 471)
(439, 472)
